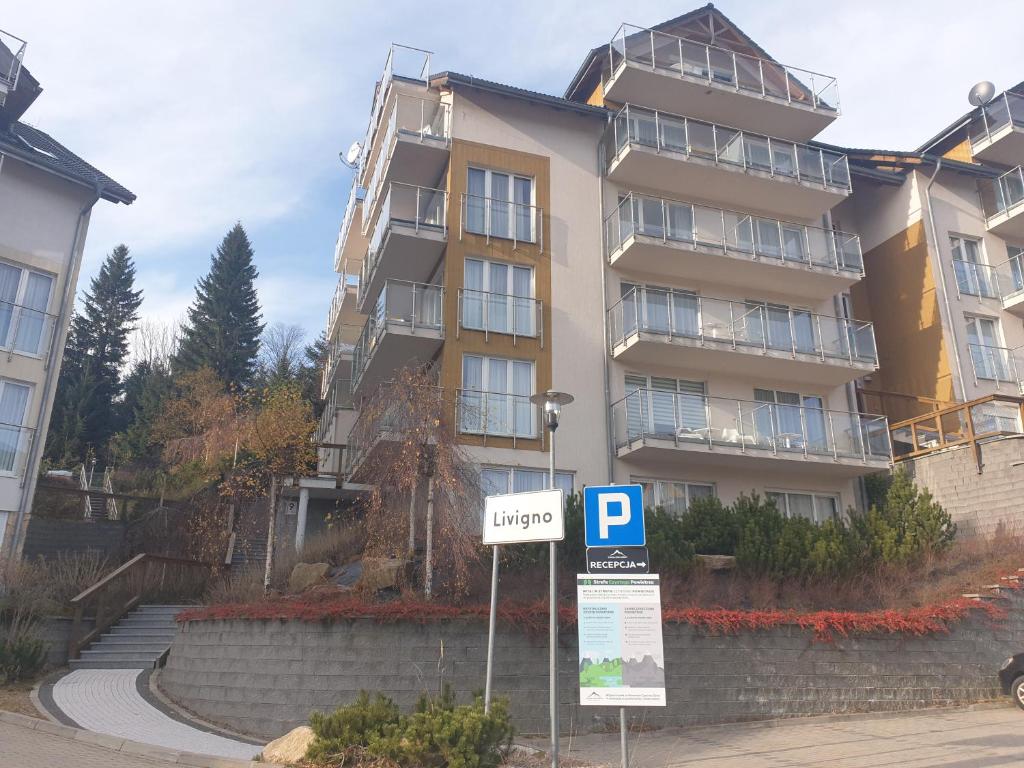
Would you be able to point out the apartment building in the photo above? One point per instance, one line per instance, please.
(943, 235)
(656, 242)
(46, 196)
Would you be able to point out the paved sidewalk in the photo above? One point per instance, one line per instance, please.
(988, 737)
(108, 701)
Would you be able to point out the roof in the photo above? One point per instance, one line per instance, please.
(37, 148)
(962, 121)
(557, 102)
(891, 164)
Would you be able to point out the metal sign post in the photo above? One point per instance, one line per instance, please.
(491, 627)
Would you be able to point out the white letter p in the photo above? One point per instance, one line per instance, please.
(604, 519)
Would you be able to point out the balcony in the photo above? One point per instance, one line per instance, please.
(501, 219)
(645, 148)
(1010, 275)
(961, 424)
(1002, 199)
(664, 71)
(651, 326)
(413, 148)
(974, 279)
(997, 134)
(405, 326)
(352, 243)
(25, 331)
(515, 316)
(655, 427)
(407, 242)
(497, 414)
(999, 365)
(338, 363)
(678, 239)
(15, 443)
(10, 65)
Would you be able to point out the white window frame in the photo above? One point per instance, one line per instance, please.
(657, 483)
(994, 367)
(22, 431)
(972, 280)
(8, 341)
(486, 390)
(785, 493)
(510, 473)
(510, 298)
(488, 196)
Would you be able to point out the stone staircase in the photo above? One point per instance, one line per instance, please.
(249, 553)
(137, 641)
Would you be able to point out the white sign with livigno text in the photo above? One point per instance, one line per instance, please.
(517, 518)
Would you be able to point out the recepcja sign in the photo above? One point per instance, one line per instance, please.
(516, 518)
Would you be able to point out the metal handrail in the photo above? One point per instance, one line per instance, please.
(1012, 281)
(729, 147)
(1002, 195)
(998, 364)
(740, 324)
(1006, 109)
(29, 331)
(721, 67)
(16, 46)
(356, 196)
(732, 232)
(15, 441)
(501, 219)
(512, 309)
(974, 279)
(715, 422)
(495, 414)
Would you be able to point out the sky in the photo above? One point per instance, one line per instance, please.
(217, 112)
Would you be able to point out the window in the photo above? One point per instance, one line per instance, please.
(498, 480)
(972, 272)
(500, 205)
(673, 408)
(777, 326)
(495, 397)
(14, 398)
(674, 497)
(816, 507)
(24, 298)
(790, 420)
(499, 297)
(659, 310)
(984, 339)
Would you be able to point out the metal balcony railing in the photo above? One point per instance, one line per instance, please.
(497, 414)
(25, 331)
(1004, 110)
(339, 398)
(401, 304)
(730, 232)
(1010, 274)
(337, 351)
(740, 325)
(504, 219)
(376, 424)
(998, 364)
(355, 199)
(721, 68)
(758, 427)
(1002, 195)
(425, 120)
(501, 313)
(15, 443)
(728, 147)
(420, 208)
(10, 62)
(974, 279)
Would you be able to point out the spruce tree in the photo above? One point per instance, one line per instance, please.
(223, 328)
(90, 383)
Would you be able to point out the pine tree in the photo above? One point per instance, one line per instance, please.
(147, 387)
(90, 383)
(223, 329)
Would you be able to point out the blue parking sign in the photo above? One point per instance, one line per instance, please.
(614, 516)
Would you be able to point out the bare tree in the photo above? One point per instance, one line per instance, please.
(282, 352)
(155, 342)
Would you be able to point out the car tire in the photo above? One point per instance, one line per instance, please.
(1017, 691)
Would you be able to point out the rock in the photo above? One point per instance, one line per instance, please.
(381, 572)
(305, 575)
(290, 748)
(717, 562)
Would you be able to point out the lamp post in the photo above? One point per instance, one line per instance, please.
(552, 402)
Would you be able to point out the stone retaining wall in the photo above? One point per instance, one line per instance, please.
(263, 677)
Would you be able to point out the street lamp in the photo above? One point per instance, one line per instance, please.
(552, 402)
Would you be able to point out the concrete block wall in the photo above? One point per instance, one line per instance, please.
(264, 677)
(979, 503)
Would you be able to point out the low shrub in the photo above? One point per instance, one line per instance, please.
(21, 657)
(711, 526)
(437, 734)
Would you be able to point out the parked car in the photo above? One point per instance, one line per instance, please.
(1012, 678)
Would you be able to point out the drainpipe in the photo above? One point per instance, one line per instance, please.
(53, 360)
(942, 279)
(609, 426)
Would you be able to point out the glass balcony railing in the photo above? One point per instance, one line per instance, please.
(338, 397)
(15, 442)
(973, 279)
(379, 422)
(1003, 195)
(501, 313)
(10, 66)
(728, 147)
(694, 420)
(1004, 110)
(721, 68)
(24, 330)
(355, 200)
(504, 219)
(738, 324)
(401, 304)
(338, 350)
(497, 414)
(418, 118)
(730, 232)
(1010, 274)
(998, 364)
(418, 208)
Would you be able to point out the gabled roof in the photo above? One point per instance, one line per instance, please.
(36, 148)
(557, 102)
(584, 80)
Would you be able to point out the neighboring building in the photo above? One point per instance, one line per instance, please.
(657, 242)
(46, 196)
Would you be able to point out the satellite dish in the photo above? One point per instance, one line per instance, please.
(981, 94)
(351, 158)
